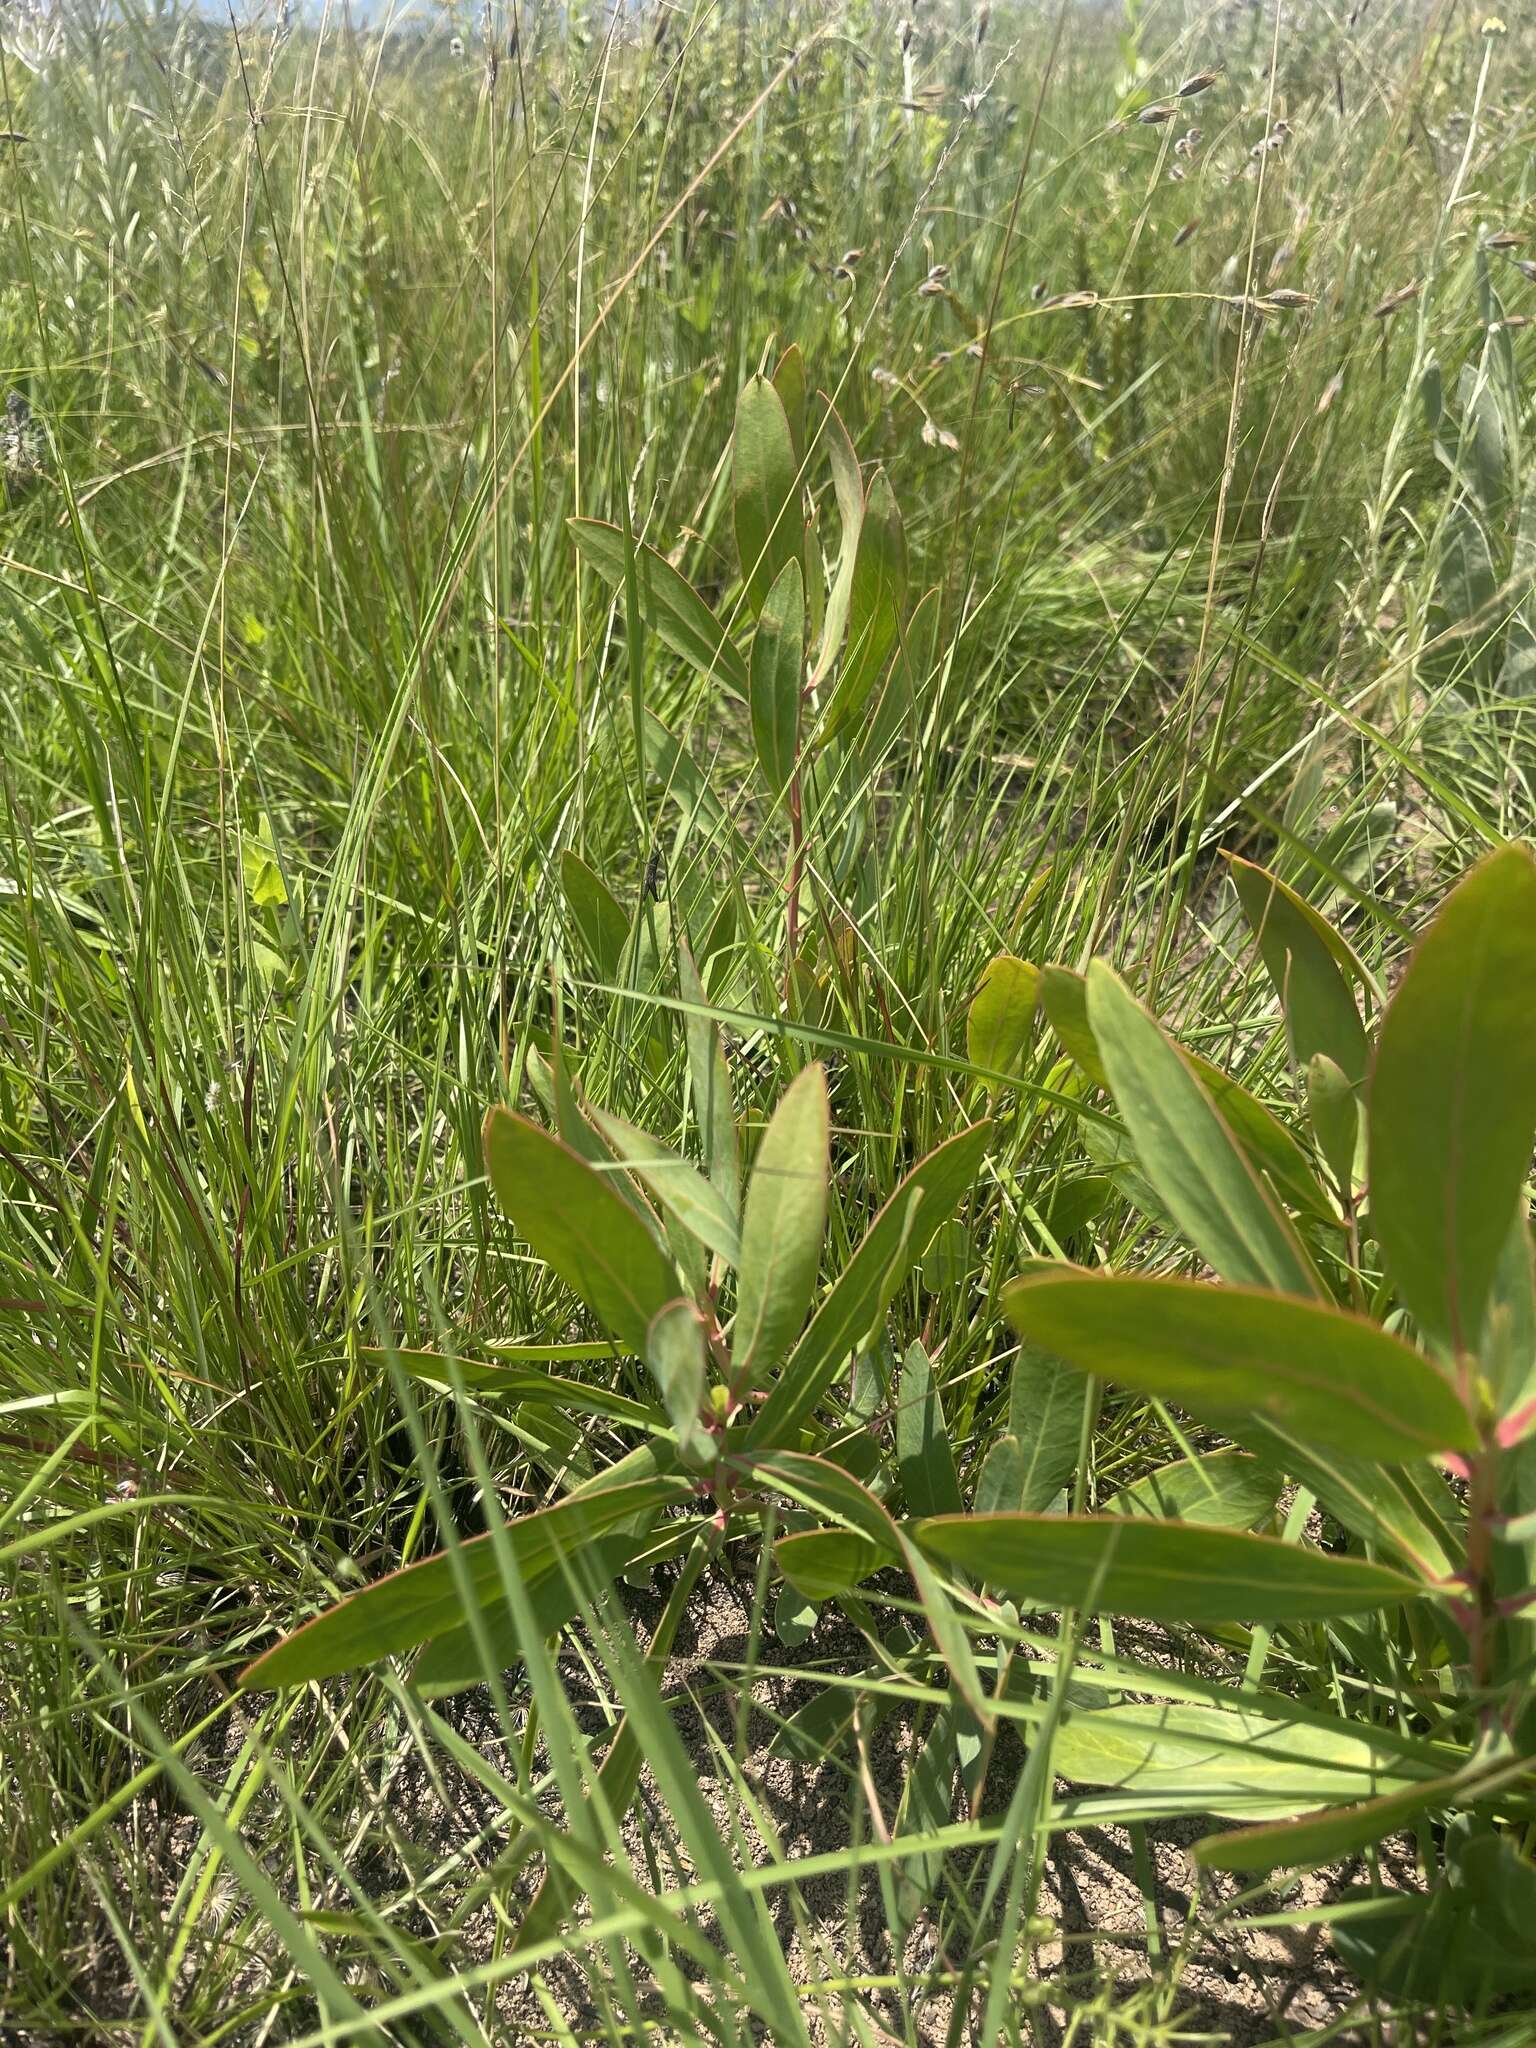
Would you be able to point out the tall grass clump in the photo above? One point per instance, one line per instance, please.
(766, 1097)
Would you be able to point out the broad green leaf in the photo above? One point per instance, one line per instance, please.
(669, 604)
(422, 1600)
(680, 1188)
(794, 1618)
(1230, 1353)
(1219, 1490)
(580, 1226)
(823, 1564)
(875, 603)
(776, 673)
(1159, 1571)
(827, 1490)
(1000, 1482)
(1335, 1116)
(1215, 1760)
(1406, 1511)
(848, 487)
(1326, 1836)
(601, 924)
(453, 1662)
(714, 1111)
(675, 1353)
(1453, 1098)
(1047, 1401)
(1306, 969)
(859, 1297)
(764, 489)
(1268, 1145)
(1188, 1152)
(789, 381)
(1000, 1021)
(781, 1230)
(923, 1451)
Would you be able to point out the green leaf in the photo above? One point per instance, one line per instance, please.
(922, 1441)
(523, 1384)
(789, 381)
(680, 1188)
(794, 1618)
(1000, 1482)
(422, 1600)
(1302, 957)
(823, 1564)
(764, 489)
(453, 1662)
(580, 1225)
(1001, 1017)
(859, 1297)
(1268, 1145)
(714, 1112)
(1453, 1098)
(875, 600)
(848, 487)
(1326, 1836)
(1217, 1760)
(1158, 1571)
(601, 924)
(777, 670)
(675, 1353)
(781, 1232)
(1335, 1116)
(1218, 1490)
(1229, 1353)
(1047, 1400)
(1188, 1152)
(669, 604)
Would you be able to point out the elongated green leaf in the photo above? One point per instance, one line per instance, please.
(422, 1600)
(1325, 1836)
(524, 1384)
(602, 925)
(1000, 1482)
(875, 603)
(889, 1250)
(675, 1353)
(789, 381)
(1188, 1152)
(1046, 1403)
(776, 673)
(1268, 1145)
(781, 1230)
(1002, 1014)
(714, 1112)
(1219, 1490)
(1309, 978)
(922, 1441)
(680, 1188)
(1453, 1098)
(1228, 1353)
(827, 1490)
(580, 1225)
(454, 1661)
(669, 604)
(1158, 1571)
(1212, 1759)
(764, 489)
(848, 487)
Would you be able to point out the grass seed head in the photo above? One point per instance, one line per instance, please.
(1201, 81)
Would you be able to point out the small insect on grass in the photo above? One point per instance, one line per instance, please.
(1395, 301)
